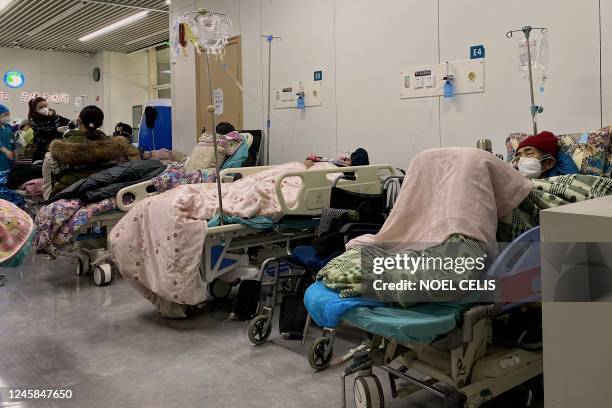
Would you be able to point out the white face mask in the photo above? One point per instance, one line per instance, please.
(531, 167)
(44, 111)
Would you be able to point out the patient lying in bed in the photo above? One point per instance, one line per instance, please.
(456, 202)
(157, 245)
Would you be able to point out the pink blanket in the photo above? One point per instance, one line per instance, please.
(157, 245)
(450, 191)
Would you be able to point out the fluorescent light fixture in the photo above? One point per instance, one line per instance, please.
(137, 40)
(61, 16)
(4, 4)
(115, 26)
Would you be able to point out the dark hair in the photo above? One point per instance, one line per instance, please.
(125, 130)
(91, 117)
(32, 106)
(360, 157)
(224, 128)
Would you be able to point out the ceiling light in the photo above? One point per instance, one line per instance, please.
(115, 26)
(136, 40)
(4, 4)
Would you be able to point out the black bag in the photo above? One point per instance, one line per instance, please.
(292, 318)
(246, 302)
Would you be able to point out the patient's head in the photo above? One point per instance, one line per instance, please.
(224, 128)
(536, 155)
(125, 130)
(359, 158)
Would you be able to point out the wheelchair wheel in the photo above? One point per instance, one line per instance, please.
(258, 334)
(320, 353)
(220, 289)
(368, 392)
(103, 274)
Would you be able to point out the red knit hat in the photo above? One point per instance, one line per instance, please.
(544, 141)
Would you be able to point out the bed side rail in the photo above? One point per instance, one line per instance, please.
(315, 192)
(138, 192)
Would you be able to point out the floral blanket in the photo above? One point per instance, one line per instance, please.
(59, 223)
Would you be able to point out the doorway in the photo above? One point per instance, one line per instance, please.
(223, 87)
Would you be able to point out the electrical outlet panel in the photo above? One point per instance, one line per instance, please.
(424, 81)
(287, 97)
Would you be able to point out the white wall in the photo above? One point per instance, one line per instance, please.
(361, 47)
(47, 72)
(124, 81)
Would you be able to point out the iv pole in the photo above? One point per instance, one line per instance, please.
(535, 109)
(269, 39)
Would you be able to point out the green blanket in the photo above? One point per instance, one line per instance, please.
(345, 273)
(549, 193)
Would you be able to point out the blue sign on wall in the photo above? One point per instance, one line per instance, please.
(318, 75)
(14, 79)
(477, 51)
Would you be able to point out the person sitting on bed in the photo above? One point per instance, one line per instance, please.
(358, 158)
(539, 157)
(83, 152)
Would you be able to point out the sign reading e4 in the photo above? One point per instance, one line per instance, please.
(14, 79)
(477, 51)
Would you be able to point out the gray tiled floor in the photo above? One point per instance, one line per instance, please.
(111, 349)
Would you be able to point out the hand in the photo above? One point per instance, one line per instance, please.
(308, 163)
(10, 155)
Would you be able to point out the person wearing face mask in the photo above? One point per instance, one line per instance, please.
(539, 157)
(45, 123)
(7, 148)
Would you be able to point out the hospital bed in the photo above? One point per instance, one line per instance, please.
(225, 246)
(90, 255)
(446, 349)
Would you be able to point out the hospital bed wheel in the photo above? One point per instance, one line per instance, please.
(103, 274)
(317, 355)
(82, 265)
(220, 289)
(258, 334)
(368, 392)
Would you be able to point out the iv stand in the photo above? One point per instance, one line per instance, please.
(211, 109)
(269, 39)
(535, 109)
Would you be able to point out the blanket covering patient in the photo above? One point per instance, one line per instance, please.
(157, 245)
(454, 202)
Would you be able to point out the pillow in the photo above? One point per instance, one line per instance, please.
(203, 155)
(590, 151)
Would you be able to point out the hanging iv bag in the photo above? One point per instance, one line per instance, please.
(539, 56)
(214, 32)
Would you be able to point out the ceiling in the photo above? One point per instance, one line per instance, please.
(58, 24)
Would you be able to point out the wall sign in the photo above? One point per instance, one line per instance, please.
(218, 98)
(318, 75)
(61, 97)
(477, 51)
(14, 79)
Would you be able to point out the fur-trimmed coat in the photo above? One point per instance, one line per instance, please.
(75, 157)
